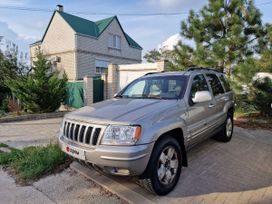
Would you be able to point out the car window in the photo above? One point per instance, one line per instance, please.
(215, 84)
(137, 89)
(225, 83)
(199, 84)
(166, 87)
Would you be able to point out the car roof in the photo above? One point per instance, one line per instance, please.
(159, 74)
(188, 72)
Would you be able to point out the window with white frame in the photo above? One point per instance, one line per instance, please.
(101, 66)
(114, 41)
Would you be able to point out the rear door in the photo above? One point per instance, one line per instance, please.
(219, 101)
(199, 114)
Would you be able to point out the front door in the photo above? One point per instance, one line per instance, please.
(199, 114)
(219, 99)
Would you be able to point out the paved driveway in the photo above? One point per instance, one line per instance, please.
(26, 133)
(236, 172)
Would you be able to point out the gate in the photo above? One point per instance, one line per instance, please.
(98, 89)
(75, 94)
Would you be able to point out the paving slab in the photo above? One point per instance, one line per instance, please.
(10, 193)
(234, 172)
(70, 188)
(66, 187)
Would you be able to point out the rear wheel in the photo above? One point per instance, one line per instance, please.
(164, 167)
(225, 134)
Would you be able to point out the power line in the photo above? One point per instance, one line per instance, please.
(95, 13)
(108, 13)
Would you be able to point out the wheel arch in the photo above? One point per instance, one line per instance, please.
(176, 133)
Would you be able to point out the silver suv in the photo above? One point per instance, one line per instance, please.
(146, 129)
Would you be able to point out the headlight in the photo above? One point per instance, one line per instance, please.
(121, 135)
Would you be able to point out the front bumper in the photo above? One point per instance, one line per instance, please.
(119, 160)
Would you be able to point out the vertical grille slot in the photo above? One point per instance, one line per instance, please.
(76, 132)
(67, 130)
(81, 134)
(72, 131)
(95, 136)
(88, 135)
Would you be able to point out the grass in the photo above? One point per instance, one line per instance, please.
(3, 145)
(32, 163)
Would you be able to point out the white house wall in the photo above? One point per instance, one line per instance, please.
(90, 48)
(59, 41)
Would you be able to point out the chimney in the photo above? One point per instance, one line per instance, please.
(59, 8)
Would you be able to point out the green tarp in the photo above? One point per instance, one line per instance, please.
(75, 94)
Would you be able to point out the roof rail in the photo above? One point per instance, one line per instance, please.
(149, 73)
(203, 68)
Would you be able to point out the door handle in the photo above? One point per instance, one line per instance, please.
(211, 105)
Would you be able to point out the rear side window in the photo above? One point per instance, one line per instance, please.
(225, 83)
(215, 84)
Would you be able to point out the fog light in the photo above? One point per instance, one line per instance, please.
(121, 172)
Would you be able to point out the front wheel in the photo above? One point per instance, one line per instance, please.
(164, 168)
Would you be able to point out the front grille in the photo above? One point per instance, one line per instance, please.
(82, 133)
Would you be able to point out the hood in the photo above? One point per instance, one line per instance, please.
(119, 110)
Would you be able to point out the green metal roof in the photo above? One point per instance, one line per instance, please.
(80, 25)
(94, 29)
(104, 23)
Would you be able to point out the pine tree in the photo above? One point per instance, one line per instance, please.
(42, 90)
(225, 33)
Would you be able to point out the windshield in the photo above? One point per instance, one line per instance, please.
(162, 87)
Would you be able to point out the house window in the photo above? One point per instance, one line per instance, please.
(114, 41)
(101, 66)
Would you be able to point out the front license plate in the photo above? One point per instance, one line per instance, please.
(75, 152)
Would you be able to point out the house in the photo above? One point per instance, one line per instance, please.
(82, 47)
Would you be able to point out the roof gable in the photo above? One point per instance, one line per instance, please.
(103, 24)
(90, 28)
(80, 25)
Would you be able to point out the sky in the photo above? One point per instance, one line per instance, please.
(25, 27)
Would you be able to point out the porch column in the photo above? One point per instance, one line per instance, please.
(88, 90)
(113, 80)
(161, 65)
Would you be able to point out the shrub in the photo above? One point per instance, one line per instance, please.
(14, 106)
(4, 106)
(42, 90)
(261, 95)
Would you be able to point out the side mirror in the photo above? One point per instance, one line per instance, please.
(202, 96)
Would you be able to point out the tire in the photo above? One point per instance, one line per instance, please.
(164, 167)
(225, 134)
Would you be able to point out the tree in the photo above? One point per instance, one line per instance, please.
(153, 56)
(181, 58)
(225, 33)
(42, 90)
(7, 71)
(11, 64)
